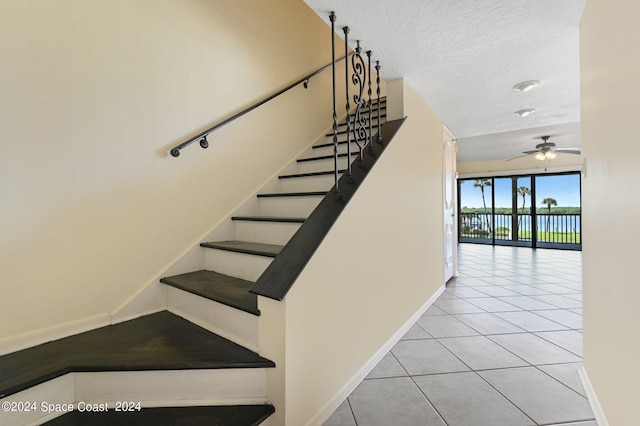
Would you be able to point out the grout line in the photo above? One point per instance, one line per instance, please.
(505, 397)
(399, 363)
(469, 277)
(553, 343)
(558, 380)
(353, 414)
(429, 401)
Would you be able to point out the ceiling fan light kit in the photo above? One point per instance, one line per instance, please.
(546, 155)
(547, 151)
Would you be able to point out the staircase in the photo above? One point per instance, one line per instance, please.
(197, 362)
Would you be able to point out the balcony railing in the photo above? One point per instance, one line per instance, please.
(551, 228)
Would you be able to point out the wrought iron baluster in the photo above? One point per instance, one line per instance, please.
(348, 104)
(332, 18)
(369, 92)
(359, 121)
(378, 95)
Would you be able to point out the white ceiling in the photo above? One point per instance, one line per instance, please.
(464, 57)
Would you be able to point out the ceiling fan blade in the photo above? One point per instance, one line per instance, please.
(535, 151)
(569, 150)
(526, 154)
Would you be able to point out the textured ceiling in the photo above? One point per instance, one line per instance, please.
(464, 57)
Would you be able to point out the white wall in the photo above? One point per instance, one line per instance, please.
(381, 262)
(609, 34)
(94, 93)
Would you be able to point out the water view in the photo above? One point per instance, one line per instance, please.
(500, 210)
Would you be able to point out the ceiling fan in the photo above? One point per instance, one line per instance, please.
(547, 150)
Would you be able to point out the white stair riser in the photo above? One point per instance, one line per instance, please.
(174, 387)
(56, 391)
(289, 206)
(322, 165)
(265, 232)
(241, 265)
(307, 183)
(150, 388)
(342, 137)
(328, 150)
(231, 323)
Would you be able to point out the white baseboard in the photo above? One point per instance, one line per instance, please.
(71, 328)
(593, 399)
(150, 299)
(357, 378)
(47, 334)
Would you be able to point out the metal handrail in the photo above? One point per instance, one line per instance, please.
(202, 136)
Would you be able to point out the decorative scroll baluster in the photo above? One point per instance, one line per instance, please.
(359, 121)
(332, 18)
(348, 104)
(369, 92)
(378, 95)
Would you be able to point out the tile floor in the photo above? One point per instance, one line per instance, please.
(500, 347)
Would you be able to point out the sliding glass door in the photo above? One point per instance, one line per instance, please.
(558, 211)
(504, 211)
(475, 215)
(521, 210)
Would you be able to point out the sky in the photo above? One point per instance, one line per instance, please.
(565, 189)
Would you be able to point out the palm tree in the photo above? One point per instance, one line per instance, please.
(549, 202)
(482, 184)
(524, 191)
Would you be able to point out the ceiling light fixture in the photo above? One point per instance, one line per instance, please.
(547, 150)
(546, 155)
(525, 112)
(526, 85)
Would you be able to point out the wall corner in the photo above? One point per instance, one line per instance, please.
(395, 99)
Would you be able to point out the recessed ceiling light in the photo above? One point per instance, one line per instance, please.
(526, 85)
(525, 112)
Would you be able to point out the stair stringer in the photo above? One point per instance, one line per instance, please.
(275, 321)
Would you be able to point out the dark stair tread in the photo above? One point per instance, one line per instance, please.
(374, 104)
(344, 124)
(160, 341)
(324, 145)
(293, 194)
(225, 289)
(365, 113)
(269, 219)
(260, 249)
(302, 175)
(233, 415)
(374, 111)
(323, 157)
